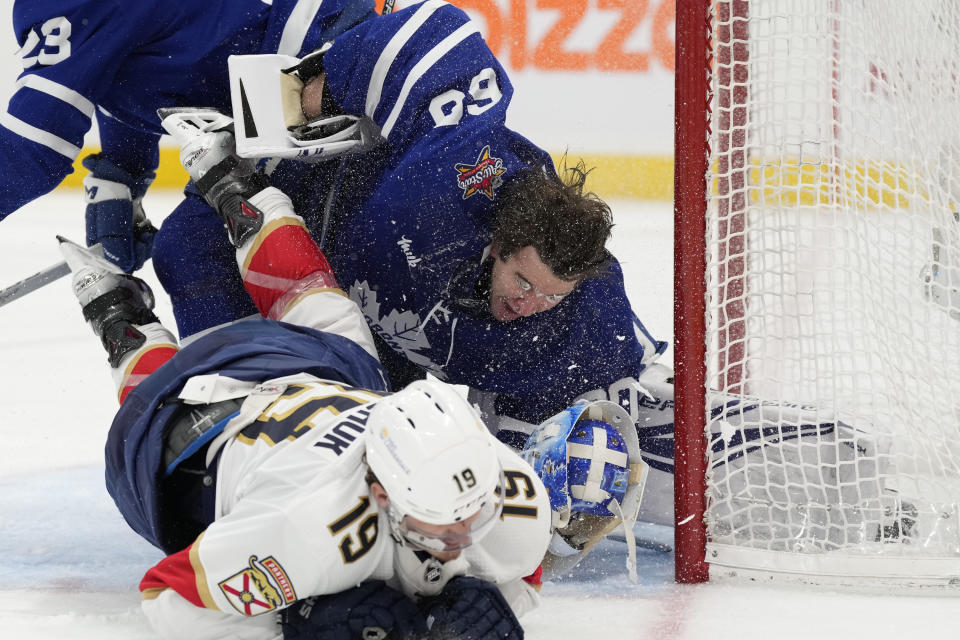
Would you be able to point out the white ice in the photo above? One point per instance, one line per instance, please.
(69, 566)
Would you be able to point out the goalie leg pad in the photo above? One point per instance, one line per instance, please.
(470, 609)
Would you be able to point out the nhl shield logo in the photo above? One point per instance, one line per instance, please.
(260, 588)
(484, 176)
(432, 571)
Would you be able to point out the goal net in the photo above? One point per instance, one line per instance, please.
(818, 290)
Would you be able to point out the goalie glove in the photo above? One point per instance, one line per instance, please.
(311, 114)
(114, 215)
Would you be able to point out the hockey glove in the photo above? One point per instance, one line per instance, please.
(470, 609)
(115, 217)
(371, 611)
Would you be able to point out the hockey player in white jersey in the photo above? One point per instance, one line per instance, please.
(271, 462)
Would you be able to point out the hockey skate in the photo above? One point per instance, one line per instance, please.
(114, 303)
(208, 153)
(899, 524)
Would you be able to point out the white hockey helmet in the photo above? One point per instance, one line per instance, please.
(437, 462)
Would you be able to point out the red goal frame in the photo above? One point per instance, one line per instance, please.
(691, 153)
(694, 95)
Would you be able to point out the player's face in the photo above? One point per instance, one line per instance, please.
(454, 536)
(311, 97)
(443, 541)
(522, 285)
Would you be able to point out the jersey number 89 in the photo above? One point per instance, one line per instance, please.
(447, 108)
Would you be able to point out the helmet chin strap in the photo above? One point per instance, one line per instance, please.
(395, 519)
(628, 521)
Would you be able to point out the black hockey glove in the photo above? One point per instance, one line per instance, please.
(371, 611)
(470, 609)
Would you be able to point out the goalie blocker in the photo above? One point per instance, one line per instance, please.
(266, 100)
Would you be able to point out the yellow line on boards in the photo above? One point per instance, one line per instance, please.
(644, 177)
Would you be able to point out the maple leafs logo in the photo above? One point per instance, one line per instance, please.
(400, 329)
(484, 176)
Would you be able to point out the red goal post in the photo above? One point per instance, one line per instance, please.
(817, 291)
(692, 109)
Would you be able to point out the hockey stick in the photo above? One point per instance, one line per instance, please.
(40, 279)
(32, 283)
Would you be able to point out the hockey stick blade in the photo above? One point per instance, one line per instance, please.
(34, 282)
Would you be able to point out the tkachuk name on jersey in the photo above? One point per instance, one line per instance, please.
(483, 176)
(344, 433)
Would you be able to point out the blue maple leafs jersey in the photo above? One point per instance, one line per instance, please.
(414, 217)
(120, 61)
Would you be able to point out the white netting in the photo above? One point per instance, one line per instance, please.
(833, 296)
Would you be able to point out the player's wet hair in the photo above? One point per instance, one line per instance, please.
(370, 477)
(568, 228)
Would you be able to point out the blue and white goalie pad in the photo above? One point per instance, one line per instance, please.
(588, 457)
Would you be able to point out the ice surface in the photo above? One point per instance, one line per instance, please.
(69, 566)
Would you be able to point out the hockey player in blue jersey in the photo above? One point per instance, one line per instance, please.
(469, 256)
(119, 62)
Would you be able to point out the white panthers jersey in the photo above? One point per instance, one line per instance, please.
(295, 518)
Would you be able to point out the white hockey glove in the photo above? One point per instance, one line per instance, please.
(267, 92)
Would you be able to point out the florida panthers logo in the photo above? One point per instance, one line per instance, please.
(260, 588)
(484, 176)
